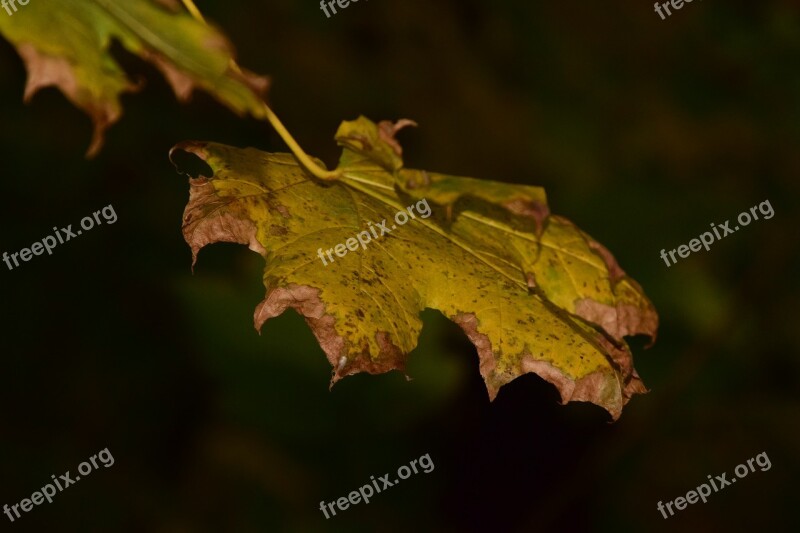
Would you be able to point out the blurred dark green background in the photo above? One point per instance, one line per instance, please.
(643, 132)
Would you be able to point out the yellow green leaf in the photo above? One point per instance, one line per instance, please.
(66, 44)
(468, 252)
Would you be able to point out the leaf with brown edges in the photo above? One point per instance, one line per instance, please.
(531, 291)
(66, 44)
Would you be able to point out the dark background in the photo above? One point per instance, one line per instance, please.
(643, 132)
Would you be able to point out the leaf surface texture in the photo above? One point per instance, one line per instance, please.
(532, 291)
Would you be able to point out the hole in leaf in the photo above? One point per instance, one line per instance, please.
(191, 165)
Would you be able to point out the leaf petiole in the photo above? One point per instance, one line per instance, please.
(272, 118)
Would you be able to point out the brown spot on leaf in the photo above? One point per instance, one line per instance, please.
(277, 230)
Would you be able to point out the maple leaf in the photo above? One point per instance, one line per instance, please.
(531, 291)
(67, 45)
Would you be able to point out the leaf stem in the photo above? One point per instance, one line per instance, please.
(272, 118)
(304, 158)
(189, 5)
